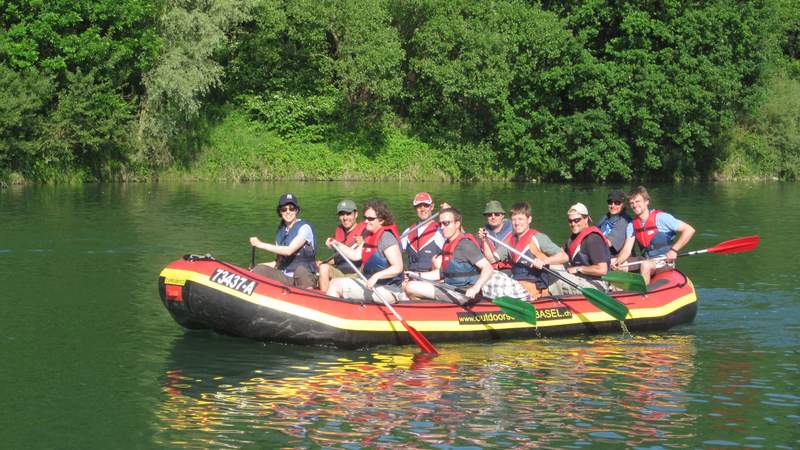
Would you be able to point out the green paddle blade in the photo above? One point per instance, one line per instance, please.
(626, 280)
(605, 302)
(516, 308)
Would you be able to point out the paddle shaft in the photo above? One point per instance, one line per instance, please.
(252, 257)
(737, 245)
(423, 343)
(436, 283)
(412, 229)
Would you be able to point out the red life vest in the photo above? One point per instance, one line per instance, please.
(505, 231)
(423, 235)
(645, 233)
(523, 243)
(451, 246)
(349, 237)
(576, 243)
(372, 239)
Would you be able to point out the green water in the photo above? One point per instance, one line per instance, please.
(89, 358)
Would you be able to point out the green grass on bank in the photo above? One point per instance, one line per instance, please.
(241, 149)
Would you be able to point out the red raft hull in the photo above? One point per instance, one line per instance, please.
(212, 294)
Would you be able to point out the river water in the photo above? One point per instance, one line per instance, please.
(89, 358)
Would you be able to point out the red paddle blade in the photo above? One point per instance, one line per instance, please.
(743, 244)
(423, 342)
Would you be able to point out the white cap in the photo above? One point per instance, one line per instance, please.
(578, 208)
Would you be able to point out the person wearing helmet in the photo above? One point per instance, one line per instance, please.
(294, 246)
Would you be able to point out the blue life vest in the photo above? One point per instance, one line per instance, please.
(459, 273)
(306, 256)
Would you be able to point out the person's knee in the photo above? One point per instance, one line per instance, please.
(304, 278)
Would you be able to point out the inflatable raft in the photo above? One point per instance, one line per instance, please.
(205, 293)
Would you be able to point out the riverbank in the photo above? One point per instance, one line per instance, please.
(240, 149)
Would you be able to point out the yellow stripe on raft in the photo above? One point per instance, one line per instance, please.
(175, 276)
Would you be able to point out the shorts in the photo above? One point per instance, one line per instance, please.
(356, 289)
(335, 272)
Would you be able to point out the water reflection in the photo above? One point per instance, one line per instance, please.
(567, 392)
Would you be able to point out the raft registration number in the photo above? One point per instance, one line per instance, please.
(234, 281)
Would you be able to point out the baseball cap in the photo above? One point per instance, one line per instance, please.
(422, 197)
(616, 195)
(493, 206)
(288, 198)
(578, 208)
(346, 205)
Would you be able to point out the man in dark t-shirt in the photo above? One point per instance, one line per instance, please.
(463, 266)
(587, 256)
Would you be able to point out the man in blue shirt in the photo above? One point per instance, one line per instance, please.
(659, 235)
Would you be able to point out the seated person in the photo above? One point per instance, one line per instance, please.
(615, 223)
(380, 256)
(531, 243)
(586, 253)
(423, 244)
(658, 234)
(498, 227)
(294, 244)
(463, 265)
(347, 232)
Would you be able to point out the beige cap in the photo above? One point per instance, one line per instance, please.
(578, 208)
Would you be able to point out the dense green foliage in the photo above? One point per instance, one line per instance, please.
(458, 89)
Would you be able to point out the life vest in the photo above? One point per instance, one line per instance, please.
(373, 261)
(305, 256)
(652, 241)
(578, 257)
(422, 247)
(607, 226)
(348, 238)
(459, 273)
(520, 269)
(505, 230)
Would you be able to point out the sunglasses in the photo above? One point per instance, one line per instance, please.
(493, 215)
(345, 213)
(445, 223)
(614, 202)
(370, 218)
(288, 208)
(574, 221)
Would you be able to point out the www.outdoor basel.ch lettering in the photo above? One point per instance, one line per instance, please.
(234, 281)
(470, 318)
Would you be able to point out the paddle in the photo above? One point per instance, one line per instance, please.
(418, 338)
(252, 257)
(737, 245)
(517, 308)
(599, 299)
(410, 230)
(514, 307)
(628, 281)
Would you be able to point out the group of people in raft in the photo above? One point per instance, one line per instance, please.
(440, 251)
